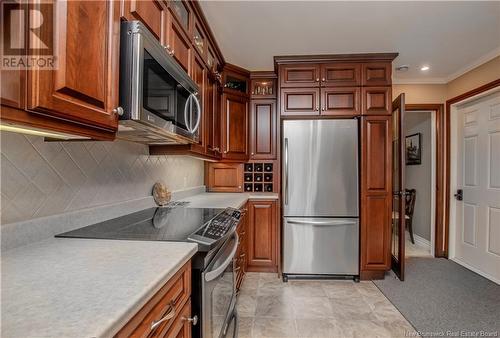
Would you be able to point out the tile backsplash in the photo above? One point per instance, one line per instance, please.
(47, 178)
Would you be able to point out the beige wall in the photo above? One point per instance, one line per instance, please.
(477, 77)
(439, 93)
(421, 93)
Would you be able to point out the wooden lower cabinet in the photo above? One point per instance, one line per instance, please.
(173, 299)
(240, 260)
(376, 196)
(224, 177)
(262, 245)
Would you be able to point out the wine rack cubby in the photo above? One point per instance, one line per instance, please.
(258, 177)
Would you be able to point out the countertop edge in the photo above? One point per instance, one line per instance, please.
(129, 313)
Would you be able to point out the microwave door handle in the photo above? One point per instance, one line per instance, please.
(211, 275)
(189, 102)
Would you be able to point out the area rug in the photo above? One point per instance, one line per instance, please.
(441, 298)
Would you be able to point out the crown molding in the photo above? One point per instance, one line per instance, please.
(478, 62)
(445, 80)
(432, 80)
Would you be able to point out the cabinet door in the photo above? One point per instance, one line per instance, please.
(84, 87)
(211, 114)
(263, 130)
(224, 177)
(299, 101)
(178, 43)
(341, 101)
(376, 193)
(262, 238)
(234, 127)
(376, 100)
(376, 74)
(340, 74)
(305, 75)
(150, 12)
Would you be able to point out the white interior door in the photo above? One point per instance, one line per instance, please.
(477, 232)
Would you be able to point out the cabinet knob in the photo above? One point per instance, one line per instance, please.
(169, 51)
(118, 110)
(323, 79)
(253, 154)
(317, 79)
(225, 151)
(323, 109)
(193, 320)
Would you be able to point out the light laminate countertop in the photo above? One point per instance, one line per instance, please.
(65, 287)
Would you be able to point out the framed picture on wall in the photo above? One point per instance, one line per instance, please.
(413, 149)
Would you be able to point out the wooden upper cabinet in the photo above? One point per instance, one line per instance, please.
(376, 100)
(182, 13)
(84, 87)
(299, 75)
(199, 39)
(234, 127)
(376, 74)
(262, 242)
(224, 177)
(340, 74)
(178, 43)
(300, 101)
(211, 115)
(263, 130)
(151, 13)
(341, 101)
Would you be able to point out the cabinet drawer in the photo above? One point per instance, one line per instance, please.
(306, 75)
(181, 327)
(300, 101)
(341, 101)
(376, 74)
(170, 299)
(340, 74)
(376, 100)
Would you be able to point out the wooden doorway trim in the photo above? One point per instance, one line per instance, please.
(447, 126)
(440, 230)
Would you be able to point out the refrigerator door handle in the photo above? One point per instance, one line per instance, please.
(286, 171)
(321, 223)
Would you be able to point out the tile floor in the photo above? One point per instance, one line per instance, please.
(415, 250)
(267, 307)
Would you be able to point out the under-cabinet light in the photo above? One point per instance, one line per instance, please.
(38, 132)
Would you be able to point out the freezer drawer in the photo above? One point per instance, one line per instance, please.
(321, 246)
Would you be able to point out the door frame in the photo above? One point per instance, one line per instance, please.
(439, 206)
(451, 106)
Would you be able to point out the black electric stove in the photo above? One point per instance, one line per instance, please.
(204, 226)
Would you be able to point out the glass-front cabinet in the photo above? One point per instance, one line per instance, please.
(199, 40)
(181, 12)
(263, 85)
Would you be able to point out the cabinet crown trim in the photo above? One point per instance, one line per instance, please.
(280, 59)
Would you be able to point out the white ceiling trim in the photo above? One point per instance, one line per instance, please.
(482, 60)
(435, 80)
(444, 80)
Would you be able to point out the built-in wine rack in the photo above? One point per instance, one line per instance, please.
(258, 177)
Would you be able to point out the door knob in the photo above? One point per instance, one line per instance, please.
(459, 195)
(118, 110)
(193, 320)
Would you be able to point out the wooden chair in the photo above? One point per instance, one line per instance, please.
(410, 197)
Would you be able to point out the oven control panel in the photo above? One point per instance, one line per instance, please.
(217, 227)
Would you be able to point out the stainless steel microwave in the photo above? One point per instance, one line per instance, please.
(159, 102)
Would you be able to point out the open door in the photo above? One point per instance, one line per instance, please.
(398, 188)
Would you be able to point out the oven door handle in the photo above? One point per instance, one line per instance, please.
(211, 275)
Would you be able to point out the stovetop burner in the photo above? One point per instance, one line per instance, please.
(155, 224)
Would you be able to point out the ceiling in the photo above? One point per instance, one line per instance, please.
(449, 37)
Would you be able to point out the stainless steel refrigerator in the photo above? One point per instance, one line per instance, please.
(320, 197)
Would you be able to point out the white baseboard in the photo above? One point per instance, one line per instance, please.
(479, 272)
(420, 241)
